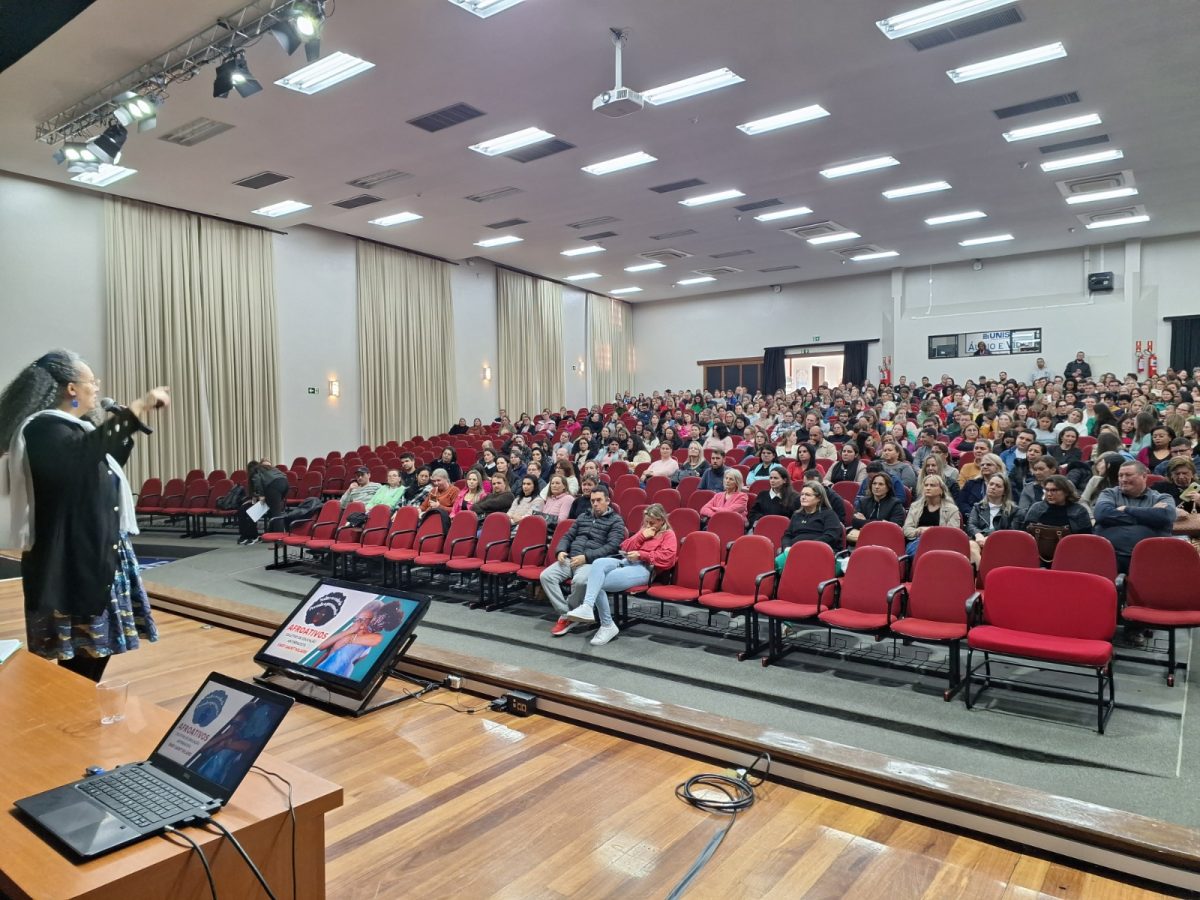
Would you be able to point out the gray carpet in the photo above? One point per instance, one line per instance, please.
(1145, 762)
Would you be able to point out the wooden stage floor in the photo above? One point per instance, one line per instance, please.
(440, 803)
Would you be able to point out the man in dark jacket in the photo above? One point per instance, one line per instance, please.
(714, 478)
(596, 533)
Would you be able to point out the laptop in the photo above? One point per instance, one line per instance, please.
(192, 773)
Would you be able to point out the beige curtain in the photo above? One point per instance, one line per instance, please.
(531, 367)
(406, 344)
(191, 305)
(610, 348)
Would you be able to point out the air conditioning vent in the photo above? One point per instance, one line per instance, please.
(539, 150)
(593, 223)
(195, 132)
(367, 182)
(718, 271)
(664, 256)
(1024, 109)
(677, 186)
(786, 268)
(969, 28)
(1109, 215)
(598, 236)
(1075, 144)
(730, 254)
(668, 235)
(851, 252)
(761, 204)
(445, 117)
(1092, 183)
(816, 229)
(262, 180)
(495, 194)
(508, 223)
(356, 202)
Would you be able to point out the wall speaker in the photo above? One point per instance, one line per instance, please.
(1100, 282)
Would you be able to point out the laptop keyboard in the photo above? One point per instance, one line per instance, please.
(139, 795)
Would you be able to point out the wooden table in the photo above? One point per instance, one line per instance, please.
(50, 732)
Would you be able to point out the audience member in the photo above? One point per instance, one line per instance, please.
(1031, 492)
(713, 478)
(524, 501)
(499, 500)
(848, 467)
(449, 462)
(470, 495)
(995, 512)
(421, 488)
(731, 498)
(583, 501)
(878, 504)
(814, 520)
(557, 503)
(442, 493)
(1078, 369)
(361, 489)
(665, 464)
(1131, 511)
(1056, 515)
(932, 509)
(267, 485)
(778, 500)
(765, 465)
(595, 534)
(390, 494)
(692, 467)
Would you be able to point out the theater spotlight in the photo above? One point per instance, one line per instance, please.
(78, 157)
(107, 147)
(137, 108)
(234, 74)
(303, 25)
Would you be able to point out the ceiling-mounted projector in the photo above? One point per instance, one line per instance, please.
(620, 101)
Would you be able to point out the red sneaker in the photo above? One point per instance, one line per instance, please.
(562, 626)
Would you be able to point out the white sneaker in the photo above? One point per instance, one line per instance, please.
(582, 613)
(604, 635)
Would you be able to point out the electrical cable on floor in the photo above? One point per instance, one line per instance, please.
(291, 812)
(246, 856)
(212, 887)
(738, 794)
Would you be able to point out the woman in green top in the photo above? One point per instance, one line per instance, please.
(390, 494)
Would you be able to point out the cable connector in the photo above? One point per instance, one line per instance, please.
(453, 682)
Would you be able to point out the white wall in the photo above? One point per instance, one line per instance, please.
(1169, 268)
(473, 288)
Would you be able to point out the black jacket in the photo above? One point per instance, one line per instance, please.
(823, 525)
(980, 519)
(593, 537)
(869, 510)
(272, 486)
(766, 505)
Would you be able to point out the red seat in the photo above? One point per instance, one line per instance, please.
(348, 541)
(656, 483)
(624, 482)
(933, 608)
(533, 564)
(687, 486)
(1059, 617)
(847, 490)
(696, 565)
(334, 483)
(668, 497)
(683, 521)
(885, 534)
(150, 498)
(310, 486)
(216, 490)
(491, 545)
(429, 537)
(217, 475)
(195, 498)
(630, 497)
(1162, 590)
(298, 532)
(772, 528)
(633, 517)
(324, 534)
(1008, 548)
(460, 543)
(808, 565)
(758, 487)
(942, 537)
(747, 576)
(824, 465)
(861, 599)
(618, 468)
(1086, 553)
(698, 498)
(728, 526)
(525, 545)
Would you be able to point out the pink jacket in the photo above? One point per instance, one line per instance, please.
(724, 502)
(660, 551)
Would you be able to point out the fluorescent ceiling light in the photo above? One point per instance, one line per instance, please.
(866, 165)
(703, 279)
(783, 214)
(689, 87)
(913, 190)
(711, 198)
(485, 8)
(325, 73)
(783, 120)
(582, 276)
(1032, 131)
(1092, 196)
(1086, 159)
(499, 241)
(617, 163)
(956, 217)
(284, 208)
(882, 254)
(507, 143)
(834, 238)
(990, 239)
(1128, 220)
(104, 175)
(645, 267)
(583, 251)
(396, 219)
(1008, 63)
(933, 15)
(626, 290)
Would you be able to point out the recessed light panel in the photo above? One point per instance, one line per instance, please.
(1094, 196)
(485, 8)
(499, 241)
(626, 290)
(582, 276)
(1087, 159)
(582, 251)
(783, 120)
(396, 219)
(325, 73)
(1007, 63)
(717, 197)
(284, 208)
(689, 87)
(702, 279)
(956, 217)
(507, 143)
(1127, 220)
(104, 175)
(1071, 124)
(989, 239)
(834, 238)
(783, 214)
(866, 165)
(914, 190)
(935, 14)
(616, 164)
(646, 267)
(880, 254)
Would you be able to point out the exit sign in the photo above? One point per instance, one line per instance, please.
(312, 390)
(816, 337)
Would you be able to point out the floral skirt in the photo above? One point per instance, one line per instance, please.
(56, 635)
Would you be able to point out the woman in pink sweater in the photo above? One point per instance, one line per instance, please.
(734, 499)
(651, 549)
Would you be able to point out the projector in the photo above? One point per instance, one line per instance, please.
(619, 101)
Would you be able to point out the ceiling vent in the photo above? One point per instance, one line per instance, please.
(495, 194)
(539, 150)
(598, 236)
(677, 186)
(508, 223)
(1093, 183)
(761, 204)
(730, 254)
(816, 229)
(664, 256)
(851, 252)
(1075, 144)
(446, 116)
(194, 132)
(1024, 109)
(262, 180)
(356, 202)
(717, 271)
(668, 235)
(593, 223)
(786, 268)
(367, 182)
(1110, 215)
(969, 28)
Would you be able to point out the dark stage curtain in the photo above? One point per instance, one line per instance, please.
(774, 376)
(854, 366)
(1185, 342)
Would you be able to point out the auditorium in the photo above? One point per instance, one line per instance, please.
(561, 448)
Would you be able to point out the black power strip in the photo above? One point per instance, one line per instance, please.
(517, 703)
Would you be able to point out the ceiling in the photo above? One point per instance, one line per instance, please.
(541, 62)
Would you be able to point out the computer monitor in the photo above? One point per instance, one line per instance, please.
(344, 635)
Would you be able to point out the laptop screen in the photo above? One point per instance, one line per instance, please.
(220, 734)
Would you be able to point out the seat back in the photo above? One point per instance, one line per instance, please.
(882, 534)
(847, 490)
(728, 526)
(460, 539)
(1060, 604)
(310, 484)
(300, 462)
(335, 479)
(194, 475)
(172, 493)
(195, 494)
(750, 556)
(683, 522)
(872, 573)
(687, 487)
(563, 526)
(1164, 573)
(698, 498)
(403, 529)
(656, 483)
(1086, 553)
(431, 534)
(808, 564)
(941, 584)
(531, 532)
(633, 516)
(324, 530)
(216, 490)
(328, 514)
(624, 482)
(698, 551)
(943, 537)
(375, 530)
(772, 528)
(496, 527)
(763, 484)
(1007, 548)
(618, 468)
(668, 497)
(151, 492)
(630, 497)
(217, 475)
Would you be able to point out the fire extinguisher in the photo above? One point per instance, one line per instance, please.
(1152, 362)
(885, 374)
(1141, 362)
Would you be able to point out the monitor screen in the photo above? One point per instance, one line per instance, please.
(343, 634)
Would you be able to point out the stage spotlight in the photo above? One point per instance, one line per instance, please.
(234, 74)
(303, 25)
(137, 108)
(78, 157)
(107, 147)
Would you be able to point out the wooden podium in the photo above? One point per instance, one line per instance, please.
(51, 732)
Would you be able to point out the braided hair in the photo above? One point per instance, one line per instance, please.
(40, 385)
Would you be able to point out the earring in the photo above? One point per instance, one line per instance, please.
(75, 402)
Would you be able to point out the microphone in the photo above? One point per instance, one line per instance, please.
(108, 404)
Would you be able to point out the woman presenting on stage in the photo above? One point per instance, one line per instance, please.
(73, 512)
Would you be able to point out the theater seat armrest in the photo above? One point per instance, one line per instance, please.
(837, 592)
(900, 591)
(396, 534)
(975, 609)
(719, 569)
(1120, 582)
(759, 579)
